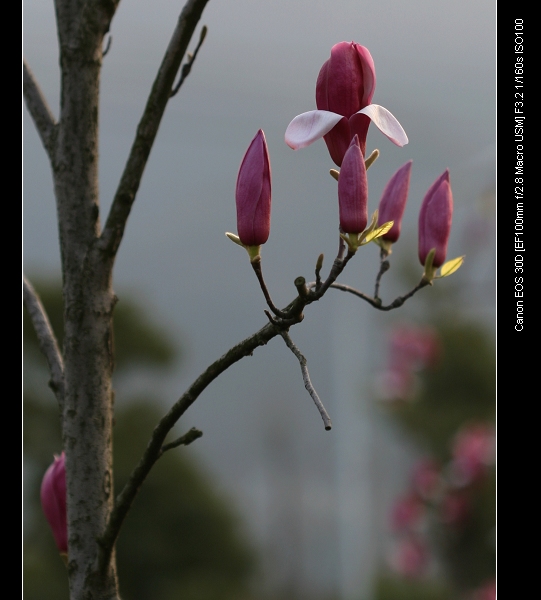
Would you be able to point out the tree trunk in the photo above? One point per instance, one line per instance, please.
(88, 301)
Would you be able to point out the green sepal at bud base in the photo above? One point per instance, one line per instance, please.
(449, 267)
(385, 245)
(234, 238)
(352, 240)
(253, 251)
(373, 235)
(430, 270)
(370, 234)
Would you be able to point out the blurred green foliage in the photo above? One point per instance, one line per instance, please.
(138, 339)
(181, 538)
(390, 588)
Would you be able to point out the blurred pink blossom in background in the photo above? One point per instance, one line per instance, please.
(473, 452)
(485, 592)
(455, 508)
(411, 349)
(410, 557)
(426, 478)
(407, 513)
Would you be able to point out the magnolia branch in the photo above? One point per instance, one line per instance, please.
(148, 126)
(385, 265)
(376, 302)
(156, 448)
(256, 266)
(46, 339)
(306, 379)
(279, 325)
(39, 111)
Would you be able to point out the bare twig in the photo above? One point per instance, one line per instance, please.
(184, 440)
(155, 449)
(376, 302)
(39, 111)
(256, 266)
(300, 284)
(46, 339)
(148, 126)
(337, 267)
(186, 69)
(107, 45)
(306, 378)
(383, 268)
(319, 265)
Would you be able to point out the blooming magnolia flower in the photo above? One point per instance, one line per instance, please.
(353, 190)
(344, 91)
(253, 193)
(435, 220)
(393, 201)
(53, 501)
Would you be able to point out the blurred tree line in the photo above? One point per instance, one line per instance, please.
(181, 538)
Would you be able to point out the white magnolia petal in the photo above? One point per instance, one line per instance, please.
(309, 127)
(387, 123)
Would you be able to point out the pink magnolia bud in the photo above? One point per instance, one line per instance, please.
(345, 85)
(393, 201)
(473, 452)
(353, 190)
(253, 193)
(53, 501)
(435, 220)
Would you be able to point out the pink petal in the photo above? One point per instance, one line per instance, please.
(386, 123)
(308, 127)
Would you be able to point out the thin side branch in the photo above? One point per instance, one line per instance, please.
(184, 440)
(256, 266)
(383, 268)
(306, 379)
(46, 339)
(39, 111)
(148, 127)
(186, 69)
(376, 302)
(155, 447)
(107, 45)
(337, 268)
